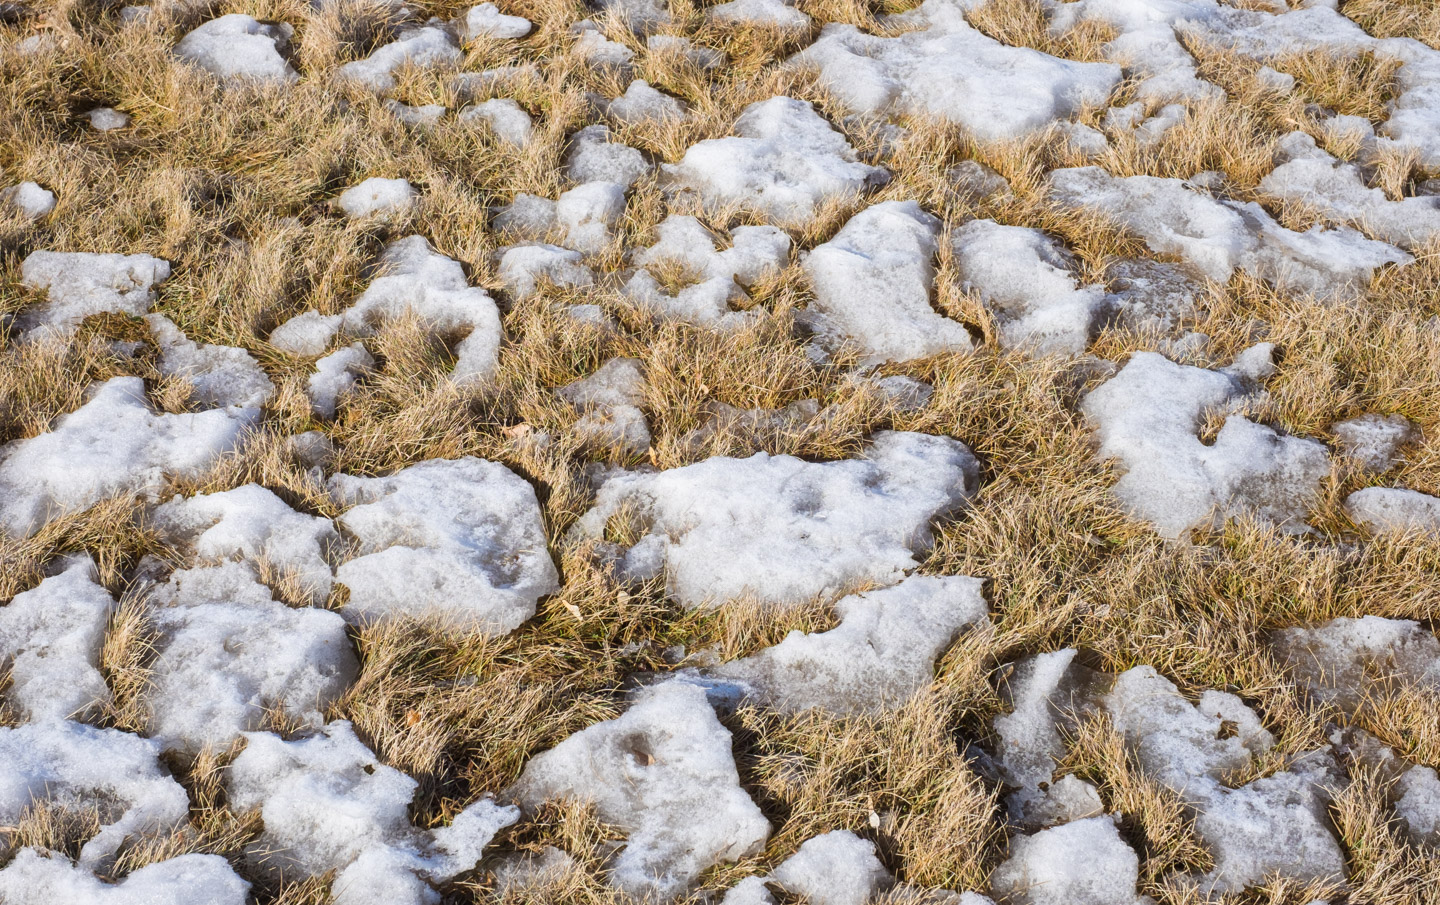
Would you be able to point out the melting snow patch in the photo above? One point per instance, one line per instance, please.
(610, 400)
(881, 655)
(220, 376)
(1374, 441)
(873, 284)
(1344, 662)
(79, 284)
(523, 267)
(38, 877)
(379, 197)
(1149, 417)
(785, 530)
(107, 119)
(1391, 510)
(664, 775)
(784, 162)
(716, 277)
(1027, 281)
(29, 199)
(594, 157)
(461, 539)
(113, 444)
(837, 868)
(237, 46)
(335, 376)
(762, 13)
(228, 652)
(643, 104)
(329, 805)
(70, 766)
(504, 117)
(50, 638)
(486, 21)
(419, 46)
(1080, 863)
(949, 70)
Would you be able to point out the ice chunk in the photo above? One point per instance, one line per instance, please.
(107, 119)
(872, 285)
(1219, 237)
(1393, 510)
(307, 333)
(1345, 661)
(111, 445)
(507, 119)
(79, 284)
(29, 199)
(593, 157)
(663, 774)
(881, 654)
(1338, 190)
(39, 877)
(227, 653)
(329, 805)
(335, 376)
(1150, 295)
(1149, 417)
(1373, 441)
(420, 46)
(948, 70)
(1080, 863)
(784, 162)
(251, 523)
(220, 375)
(1027, 281)
(379, 197)
(71, 766)
(785, 530)
(459, 538)
(486, 20)
(236, 46)
(761, 13)
(522, 267)
(714, 278)
(50, 638)
(641, 103)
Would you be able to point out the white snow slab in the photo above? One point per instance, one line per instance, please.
(112, 444)
(1318, 181)
(783, 162)
(664, 775)
(506, 118)
(717, 276)
(237, 46)
(486, 21)
(71, 765)
(1344, 661)
(329, 804)
(1027, 280)
(881, 654)
(873, 284)
(420, 46)
(415, 280)
(1148, 419)
(1219, 237)
(50, 639)
(1392, 510)
(79, 284)
(29, 199)
(522, 267)
(251, 523)
(784, 530)
(227, 652)
(335, 376)
(1080, 863)
(38, 877)
(380, 197)
(460, 539)
(221, 376)
(946, 69)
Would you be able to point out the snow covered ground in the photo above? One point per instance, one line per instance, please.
(600, 451)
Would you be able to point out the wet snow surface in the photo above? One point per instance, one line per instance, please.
(255, 603)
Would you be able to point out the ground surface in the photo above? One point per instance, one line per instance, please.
(406, 540)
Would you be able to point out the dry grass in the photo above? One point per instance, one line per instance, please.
(236, 188)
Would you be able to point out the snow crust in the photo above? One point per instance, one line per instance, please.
(111, 445)
(873, 284)
(663, 774)
(79, 284)
(461, 540)
(782, 530)
(783, 162)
